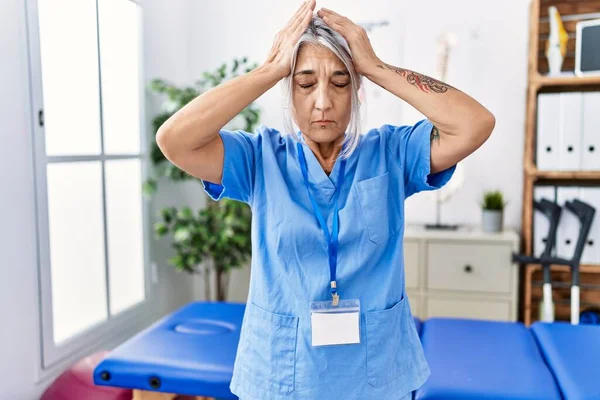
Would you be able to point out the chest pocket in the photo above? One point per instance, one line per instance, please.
(269, 350)
(380, 210)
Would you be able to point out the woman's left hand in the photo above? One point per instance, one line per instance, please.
(363, 54)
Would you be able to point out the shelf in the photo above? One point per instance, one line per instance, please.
(567, 81)
(582, 304)
(583, 268)
(585, 176)
(566, 285)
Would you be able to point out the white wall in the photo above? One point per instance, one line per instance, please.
(165, 54)
(488, 63)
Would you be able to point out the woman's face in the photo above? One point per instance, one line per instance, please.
(322, 90)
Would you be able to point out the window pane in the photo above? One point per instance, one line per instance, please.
(77, 254)
(69, 62)
(119, 57)
(125, 233)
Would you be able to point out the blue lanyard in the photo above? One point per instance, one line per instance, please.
(332, 240)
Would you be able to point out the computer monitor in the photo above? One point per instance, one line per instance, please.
(587, 48)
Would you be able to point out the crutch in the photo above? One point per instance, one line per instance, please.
(552, 211)
(585, 214)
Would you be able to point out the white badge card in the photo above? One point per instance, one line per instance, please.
(333, 325)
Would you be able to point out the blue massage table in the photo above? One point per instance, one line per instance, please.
(192, 352)
(189, 352)
(573, 354)
(473, 359)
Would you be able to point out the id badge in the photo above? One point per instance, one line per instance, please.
(334, 325)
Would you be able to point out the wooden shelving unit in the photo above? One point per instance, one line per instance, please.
(571, 11)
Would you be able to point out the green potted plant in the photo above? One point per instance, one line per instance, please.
(493, 211)
(215, 238)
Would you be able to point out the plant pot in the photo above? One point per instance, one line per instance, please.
(492, 220)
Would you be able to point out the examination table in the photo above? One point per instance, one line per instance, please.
(192, 351)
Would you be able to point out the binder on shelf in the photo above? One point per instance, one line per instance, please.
(541, 224)
(560, 124)
(570, 131)
(568, 228)
(548, 127)
(591, 132)
(591, 251)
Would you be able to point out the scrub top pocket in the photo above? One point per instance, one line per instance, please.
(380, 212)
(270, 350)
(391, 329)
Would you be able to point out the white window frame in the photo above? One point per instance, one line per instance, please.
(115, 328)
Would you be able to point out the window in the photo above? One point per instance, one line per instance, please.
(93, 225)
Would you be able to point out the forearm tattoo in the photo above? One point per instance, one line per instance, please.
(422, 82)
(435, 134)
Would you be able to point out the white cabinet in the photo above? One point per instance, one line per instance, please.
(449, 306)
(466, 273)
(411, 262)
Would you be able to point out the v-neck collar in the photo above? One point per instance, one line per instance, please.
(316, 171)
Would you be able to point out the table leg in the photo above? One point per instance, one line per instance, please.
(146, 395)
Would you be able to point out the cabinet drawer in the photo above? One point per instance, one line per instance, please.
(497, 310)
(473, 267)
(411, 264)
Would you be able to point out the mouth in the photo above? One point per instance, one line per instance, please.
(324, 121)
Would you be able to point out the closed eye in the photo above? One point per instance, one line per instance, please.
(335, 84)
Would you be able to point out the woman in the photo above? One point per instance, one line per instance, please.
(296, 185)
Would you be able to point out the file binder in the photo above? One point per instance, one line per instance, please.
(570, 132)
(548, 126)
(591, 252)
(591, 132)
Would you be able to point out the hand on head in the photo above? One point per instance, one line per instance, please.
(363, 54)
(285, 40)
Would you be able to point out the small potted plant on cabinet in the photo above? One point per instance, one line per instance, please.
(493, 211)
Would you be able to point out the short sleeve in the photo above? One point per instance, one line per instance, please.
(241, 150)
(411, 147)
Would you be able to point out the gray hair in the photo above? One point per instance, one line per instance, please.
(318, 33)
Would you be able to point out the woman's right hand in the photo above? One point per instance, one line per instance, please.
(280, 55)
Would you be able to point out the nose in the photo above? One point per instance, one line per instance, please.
(323, 101)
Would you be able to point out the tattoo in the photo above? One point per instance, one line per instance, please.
(422, 82)
(435, 134)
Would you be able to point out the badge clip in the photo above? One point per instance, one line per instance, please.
(335, 297)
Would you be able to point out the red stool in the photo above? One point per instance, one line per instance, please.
(77, 383)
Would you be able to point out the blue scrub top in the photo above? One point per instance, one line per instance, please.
(289, 268)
